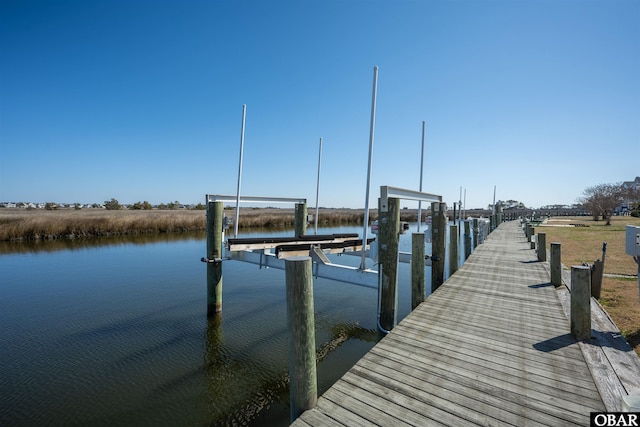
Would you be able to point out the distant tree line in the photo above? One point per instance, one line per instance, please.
(509, 204)
(113, 204)
(602, 200)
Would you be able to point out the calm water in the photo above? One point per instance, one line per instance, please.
(115, 332)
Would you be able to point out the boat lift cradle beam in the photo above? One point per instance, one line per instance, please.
(265, 258)
(342, 273)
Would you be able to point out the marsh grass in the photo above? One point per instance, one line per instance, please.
(41, 224)
(272, 217)
(20, 224)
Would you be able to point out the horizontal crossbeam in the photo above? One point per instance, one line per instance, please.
(253, 199)
(387, 192)
(285, 251)
(252, 243)
(367, 278)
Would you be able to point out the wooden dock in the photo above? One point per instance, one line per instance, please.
(490, 347)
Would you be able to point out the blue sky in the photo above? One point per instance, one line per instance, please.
(142, 99)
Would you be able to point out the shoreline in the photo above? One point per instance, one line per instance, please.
(18, 224)
(36, 225)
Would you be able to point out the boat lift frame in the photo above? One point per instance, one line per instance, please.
(253, 199)
(263, 254)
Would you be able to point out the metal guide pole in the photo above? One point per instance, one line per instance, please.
(464, 203)
(421, 168)
(318, 186)
(459, 207)
(366, 200)
(493, 208)
(235, 225)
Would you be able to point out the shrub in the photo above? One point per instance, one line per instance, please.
(112, 205)
(141, 206)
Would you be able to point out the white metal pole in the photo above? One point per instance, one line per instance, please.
(235, 225)
(366, 199)
(465, 204)
(459, 207)
(493, 211)
(318, 186)
(421, 168)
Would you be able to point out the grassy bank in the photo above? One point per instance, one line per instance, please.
(584, 244)
(56, 224)
(37, 224)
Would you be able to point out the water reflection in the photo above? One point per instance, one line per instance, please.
(241, 392)
(114, 331)
(35, 246)
(238, 390)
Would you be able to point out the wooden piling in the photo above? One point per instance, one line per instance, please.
(417, 269)
(532, 236)
(438, 242)
(467, 240)
(541, 240)
(389, 238)
(483, 231)
(581, 302)
(301, 341)
(300, 220)
(454, 212)
(453, 249)
(476, 233)
(597, 272)
(556, 264)
(215, 233)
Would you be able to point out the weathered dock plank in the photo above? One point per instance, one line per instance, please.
(614, 365)
(490, 347)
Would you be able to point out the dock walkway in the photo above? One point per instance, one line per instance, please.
(491, 347)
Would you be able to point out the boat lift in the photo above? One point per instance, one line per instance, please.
(271, 252)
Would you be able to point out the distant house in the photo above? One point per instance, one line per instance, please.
(625, 207)
(635, 184)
